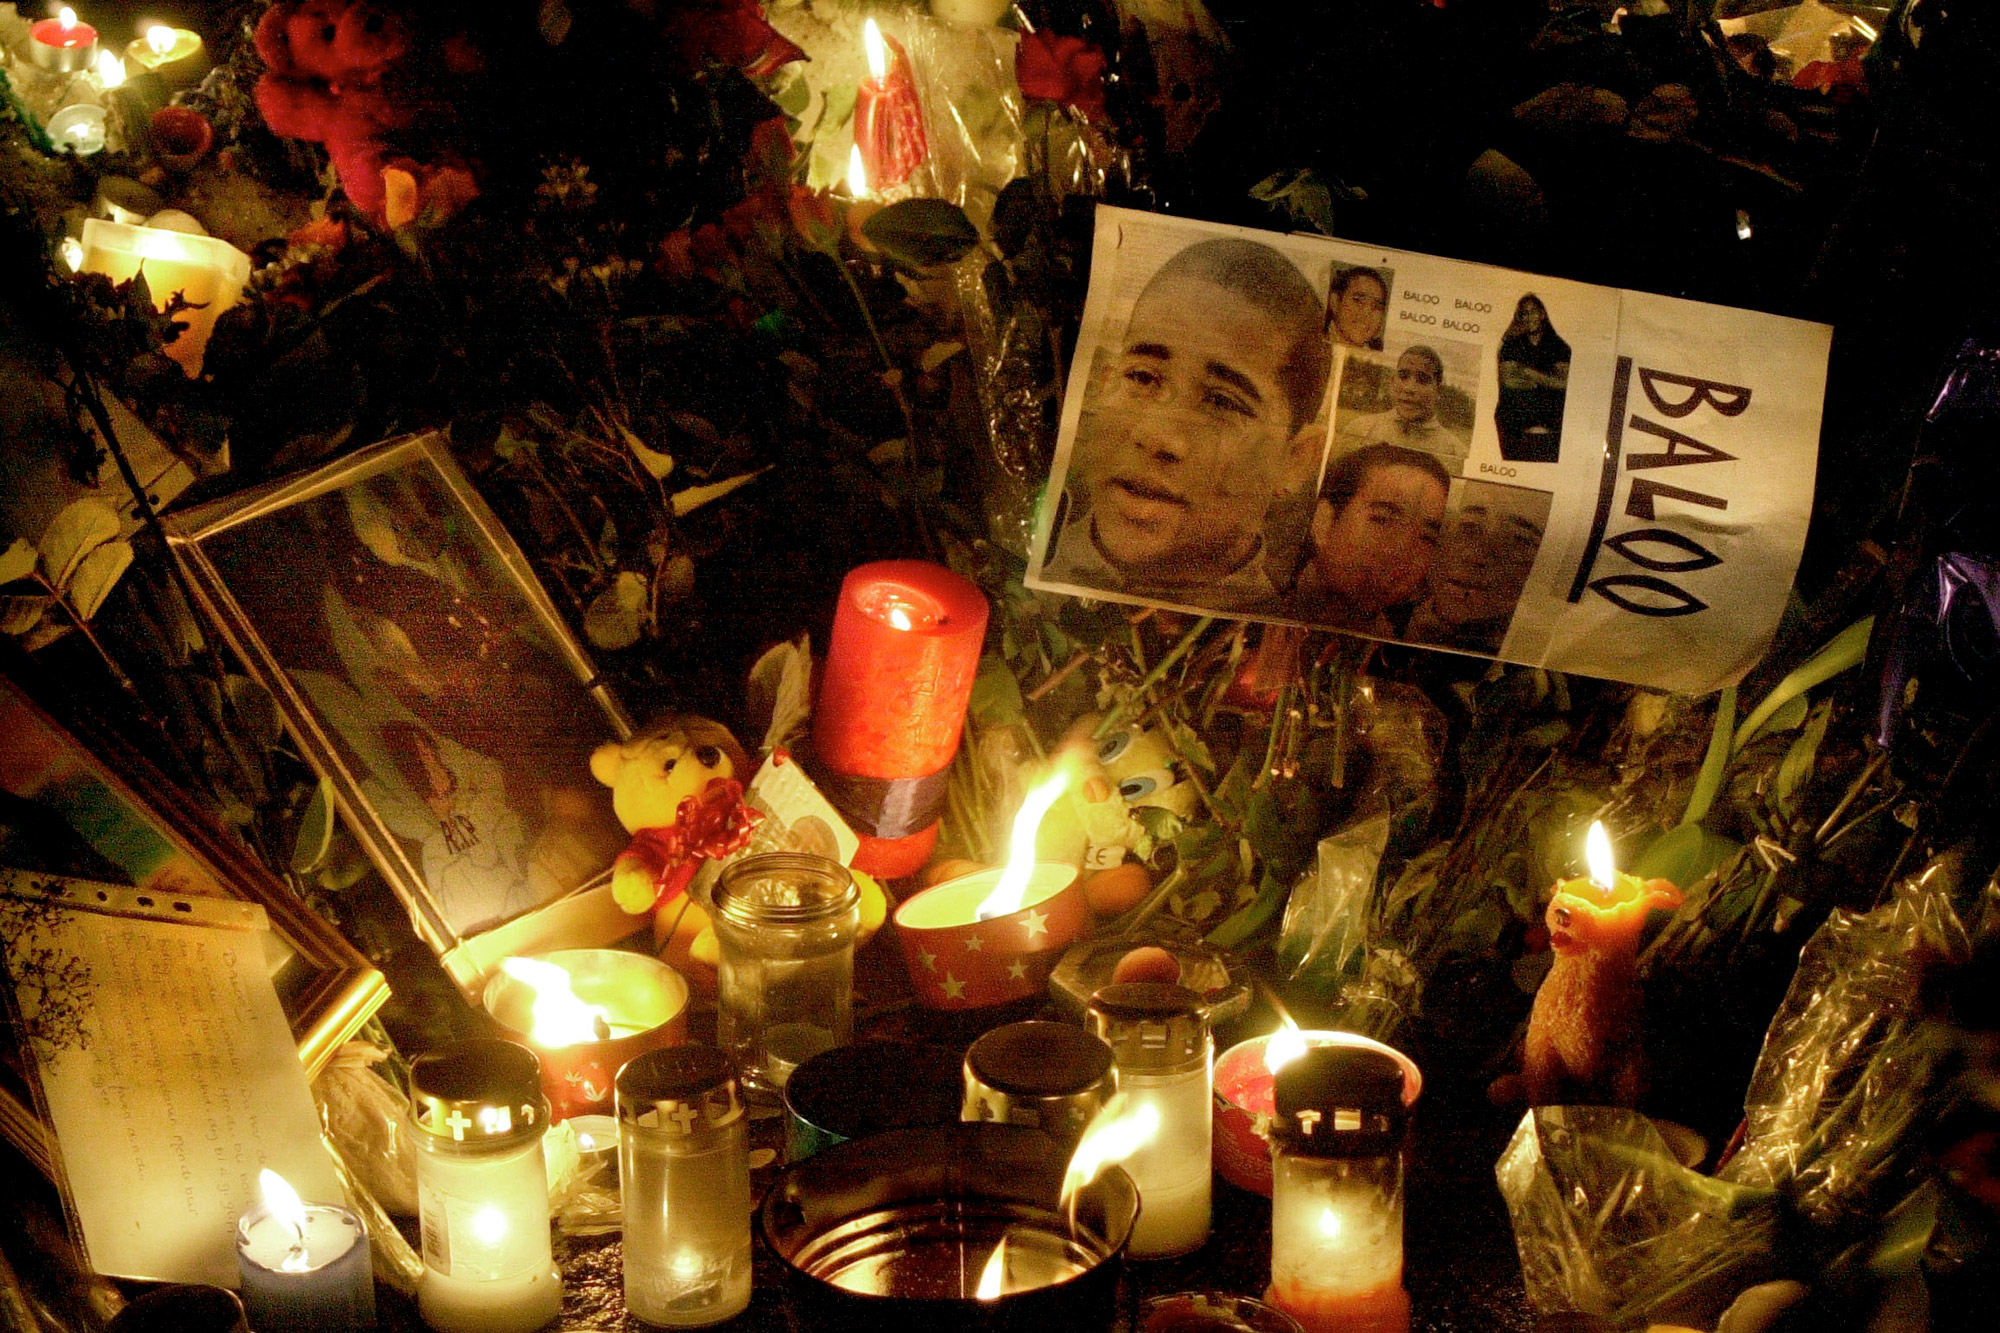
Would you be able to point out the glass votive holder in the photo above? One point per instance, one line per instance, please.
(684, 1174)
(80, 129)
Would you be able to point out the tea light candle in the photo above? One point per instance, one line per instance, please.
(892, 697)
(208, 273)
(305, 1267)
(172, 53)
(79, 128)
(62, 45)
(483, 1190)
(584, 1013)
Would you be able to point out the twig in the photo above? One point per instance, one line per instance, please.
(1058, 676)
(1152, 678)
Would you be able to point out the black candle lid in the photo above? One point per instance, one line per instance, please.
(1340, 1101)
(678, 1089)
(483, 1093)
(1039, 1060)
(854, 1091)
(1151, 1027)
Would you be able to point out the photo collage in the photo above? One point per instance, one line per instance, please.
(1273, 430)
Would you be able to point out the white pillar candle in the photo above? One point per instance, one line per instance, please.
(483, 1191)
(208, 273)
(305, 1267)
(1166, 1062)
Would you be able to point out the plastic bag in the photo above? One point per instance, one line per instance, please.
(1609, 1224)
(1326, 918)
(1850, 1073)
(363, 1115)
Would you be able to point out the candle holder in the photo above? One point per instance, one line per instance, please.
(1337, 1197)
(851, 1092)
(1166, 1060)
(1245, 1100)
(1051, 1076)
(644, 1003)
(183, 1307)
(305, 1272)
(208, 273)
(957, 961)
(898, 1231)
(478, 1116)
(1209, 972)
(61, 45)
(79, 129)
(1212, 1312)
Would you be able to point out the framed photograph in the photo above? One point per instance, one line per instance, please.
(424, 672)
(79, 807)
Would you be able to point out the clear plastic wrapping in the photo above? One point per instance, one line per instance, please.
(363, 1116)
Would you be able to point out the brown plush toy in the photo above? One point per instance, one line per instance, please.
(677, 787)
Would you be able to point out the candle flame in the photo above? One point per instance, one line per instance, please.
(1597, 851)
(110, 70)
(1118, 1131)
(1286, 1045)
(72, 253)
(857, 174)
(871, 40)
(489, 1225)
(993, 1278)
(899, 617)
(560, 1018)
(1013, 887)
(66, 18)
(1329, 1223)
(282, 1202)
(159, 39)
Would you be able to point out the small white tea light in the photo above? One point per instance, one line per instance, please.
(79, 129)
(305, 1267)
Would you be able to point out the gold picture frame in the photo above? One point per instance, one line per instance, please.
(81, 796)
(425, 674)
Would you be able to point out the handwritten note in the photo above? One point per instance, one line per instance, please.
(183, 1081)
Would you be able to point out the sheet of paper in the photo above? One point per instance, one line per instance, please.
(1300, 429)
(178, 1084)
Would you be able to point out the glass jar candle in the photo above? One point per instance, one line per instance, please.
(684, 1172)
(1337, 1193)
(784, 929)
(1051, 1076)
(1166, 1060)
(482, 1190)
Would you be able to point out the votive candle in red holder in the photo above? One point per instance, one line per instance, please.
(62, 45)
(892, 698)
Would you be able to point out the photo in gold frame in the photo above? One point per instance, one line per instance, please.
(423, 671)
(78, 806)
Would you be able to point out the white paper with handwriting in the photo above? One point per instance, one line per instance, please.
(179, 1082)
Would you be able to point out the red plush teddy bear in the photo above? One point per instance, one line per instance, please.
(338, 74)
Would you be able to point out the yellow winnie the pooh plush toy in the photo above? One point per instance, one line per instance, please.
(677, 787)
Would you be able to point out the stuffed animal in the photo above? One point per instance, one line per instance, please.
(677, 788)
(1584, 1034)
(1131, 768)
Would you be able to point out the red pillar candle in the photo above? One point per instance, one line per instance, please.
(892, 698)
(888, 118)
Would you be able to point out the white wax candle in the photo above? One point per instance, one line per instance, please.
(314, 1278)
(487, 1262)
(1175, 1171)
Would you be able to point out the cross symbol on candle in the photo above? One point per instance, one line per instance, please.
(684, 1115)
(459, 1124)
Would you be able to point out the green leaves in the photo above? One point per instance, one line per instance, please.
(617, 616)
(918, 233)
(78, 530)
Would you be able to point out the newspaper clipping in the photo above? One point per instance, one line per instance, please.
(1300, 429)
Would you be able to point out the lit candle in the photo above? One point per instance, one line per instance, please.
(209, 275)
(62, 45)
(305, 1267)
(888, 120)
(483, 1190)
(1246, 1095)
(1337, 1193)
(1579, 1046)
(175, 54)
(898, 675)
(1165, 1061)
(584, 1013)
(79, 129)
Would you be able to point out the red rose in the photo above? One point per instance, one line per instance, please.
(729, 32)
(812, 218)
(1061, 69)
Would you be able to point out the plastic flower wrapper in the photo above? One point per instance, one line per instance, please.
(1609, 1224)
(583, 1190)
(1851, 1074)
(1326, 919)
(363, 1115)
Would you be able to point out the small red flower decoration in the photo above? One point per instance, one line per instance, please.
(729, 32)
(1068, 70)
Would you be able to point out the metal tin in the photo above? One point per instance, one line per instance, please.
(479, 1095)
(1051, 1076)
(1151, 1027)
(1207, 971)
(854, 1091)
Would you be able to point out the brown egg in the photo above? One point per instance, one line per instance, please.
(1118, 889)
(1148, 962)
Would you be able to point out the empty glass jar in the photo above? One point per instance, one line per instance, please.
(784, 926)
